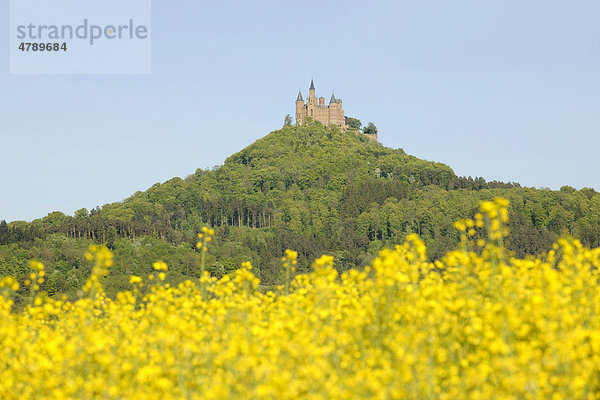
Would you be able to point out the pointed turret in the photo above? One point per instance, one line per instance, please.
(312, 94)
(332, 99)
(300, 109)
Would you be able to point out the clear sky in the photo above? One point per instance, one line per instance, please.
(507, 90)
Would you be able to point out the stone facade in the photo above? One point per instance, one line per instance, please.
(330, 114)
(372, 137)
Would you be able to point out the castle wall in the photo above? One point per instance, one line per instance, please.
(372, 138)
(331, 114)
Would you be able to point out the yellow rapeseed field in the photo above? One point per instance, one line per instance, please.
(475, 325)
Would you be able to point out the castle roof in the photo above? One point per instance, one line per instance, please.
(312, 85)
(332, 98)
(299, 96)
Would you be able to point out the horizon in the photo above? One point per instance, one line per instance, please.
(258, 139)
(508, 92)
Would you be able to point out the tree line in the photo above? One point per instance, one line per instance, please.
(313, 189)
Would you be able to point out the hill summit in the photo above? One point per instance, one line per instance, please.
(311, 188)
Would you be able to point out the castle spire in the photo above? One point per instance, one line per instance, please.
(332, 98)
(299, 96)
(312, 96)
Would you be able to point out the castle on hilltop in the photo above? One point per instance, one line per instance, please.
(331, 114)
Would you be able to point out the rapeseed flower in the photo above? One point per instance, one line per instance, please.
(474, 324)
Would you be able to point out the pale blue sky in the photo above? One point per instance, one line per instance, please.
(507, 90)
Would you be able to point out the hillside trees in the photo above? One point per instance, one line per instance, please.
(313, 189)
(370, 129)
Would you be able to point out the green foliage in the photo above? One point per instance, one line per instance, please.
(216, 269)
(111, 236)
(313, 189)
(353, 123)
(370, 129)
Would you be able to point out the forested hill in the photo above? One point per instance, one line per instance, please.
(313, 189)
(261, 184)
(294, 177)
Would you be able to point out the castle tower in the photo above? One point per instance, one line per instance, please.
(312, 94)
(336, 113)
(300, 109)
